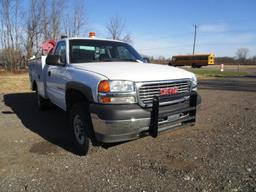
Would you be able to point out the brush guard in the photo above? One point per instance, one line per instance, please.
(190, 119)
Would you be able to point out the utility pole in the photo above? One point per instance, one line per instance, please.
(194, 45)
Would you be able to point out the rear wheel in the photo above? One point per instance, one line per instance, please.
(194, 65)
(42, 103)
(80, 127)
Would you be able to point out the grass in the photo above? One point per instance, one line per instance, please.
(202, 73)
(11, 83)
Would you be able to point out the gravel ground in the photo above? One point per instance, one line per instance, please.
(218, 154)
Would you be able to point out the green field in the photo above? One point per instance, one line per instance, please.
(217, 73)
(10, 82)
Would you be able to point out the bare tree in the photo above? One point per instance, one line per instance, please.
(45, 20)
(10, 33)
(42, 24)
(127, 38)
(33, 28)
(22, 31)
(6, 33)
(242, 54)
(75, 21)
(56, 8)
(116, 29)
(254, 59)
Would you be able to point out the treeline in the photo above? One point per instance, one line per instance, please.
(23, 27)
(234, 61)
(218, 60)
(241, 58)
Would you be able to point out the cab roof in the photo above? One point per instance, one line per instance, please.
(91, 39)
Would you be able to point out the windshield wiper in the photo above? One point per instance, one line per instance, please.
(105, 59)
(118, 60)
(132, 60)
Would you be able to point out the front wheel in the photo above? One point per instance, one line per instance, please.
(80, 126)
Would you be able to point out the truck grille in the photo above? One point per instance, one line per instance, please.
(146, 91)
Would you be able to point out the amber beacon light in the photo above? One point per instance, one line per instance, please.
(92, 34)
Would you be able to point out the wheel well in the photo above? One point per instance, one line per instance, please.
(74, 96)
(34, 86)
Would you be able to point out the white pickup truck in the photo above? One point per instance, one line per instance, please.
(110, 94)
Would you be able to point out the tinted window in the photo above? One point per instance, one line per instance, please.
(61, 51)
(82, 51)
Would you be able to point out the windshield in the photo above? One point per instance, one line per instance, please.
(83, 51)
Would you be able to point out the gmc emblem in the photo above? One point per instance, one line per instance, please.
(168, 91)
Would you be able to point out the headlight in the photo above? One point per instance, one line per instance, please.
(116, 92)
(194, 83)
(121, 86)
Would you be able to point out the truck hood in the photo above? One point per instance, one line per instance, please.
(133, 71)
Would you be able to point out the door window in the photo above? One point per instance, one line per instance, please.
(61, 51)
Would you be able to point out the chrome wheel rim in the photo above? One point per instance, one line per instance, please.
(79, 129)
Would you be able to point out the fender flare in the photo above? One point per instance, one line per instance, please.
(84, 89)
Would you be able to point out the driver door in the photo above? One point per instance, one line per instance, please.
(56, 78)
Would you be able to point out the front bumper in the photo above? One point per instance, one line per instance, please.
(116, 123)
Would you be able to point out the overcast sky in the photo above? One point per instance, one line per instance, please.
(165, 27)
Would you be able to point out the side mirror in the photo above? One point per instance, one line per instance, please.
(53, 60)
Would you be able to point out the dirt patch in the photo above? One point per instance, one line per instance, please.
(43, 148)
(218, 154)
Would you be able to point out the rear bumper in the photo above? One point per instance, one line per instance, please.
(116, 123)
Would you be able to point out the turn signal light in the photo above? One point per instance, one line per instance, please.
(104, 87)
(105, 99)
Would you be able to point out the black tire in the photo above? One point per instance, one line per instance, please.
(42, 103)
(194, 65)
(80, 128)
(172, 65)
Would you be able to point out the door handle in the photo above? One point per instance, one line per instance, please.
(49, 73)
